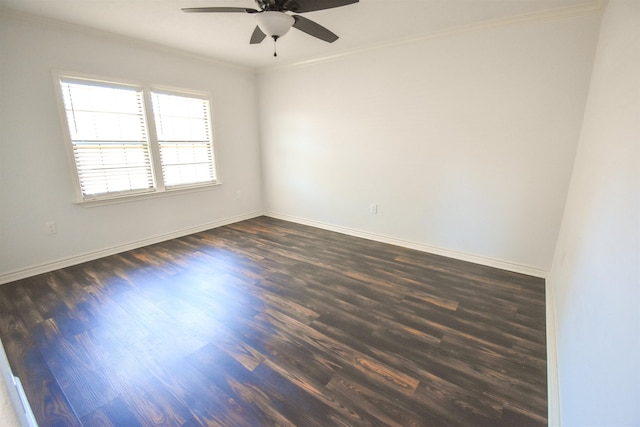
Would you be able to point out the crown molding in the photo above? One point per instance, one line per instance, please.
(586, 8)
(120, 38)
(590, 7)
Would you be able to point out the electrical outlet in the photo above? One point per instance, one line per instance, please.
(373, 209)
(238, 194)
(50, 227)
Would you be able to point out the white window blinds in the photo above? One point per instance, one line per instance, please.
(123, 147)
(109, 138)
(183, 129)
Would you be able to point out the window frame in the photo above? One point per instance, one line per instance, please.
(185, 94)
(159, 190)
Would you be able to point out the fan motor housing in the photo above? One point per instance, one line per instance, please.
(278, 5)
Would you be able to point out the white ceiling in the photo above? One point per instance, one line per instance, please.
(363, 25)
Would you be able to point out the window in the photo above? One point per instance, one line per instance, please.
(109, 138)
(114, 153)
(184, 137)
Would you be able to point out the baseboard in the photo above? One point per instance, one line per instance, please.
(476, 259)
(15, 410)
(553, 392)
(553, 381)
(90, 256)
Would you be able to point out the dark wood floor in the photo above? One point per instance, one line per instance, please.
(266, 322)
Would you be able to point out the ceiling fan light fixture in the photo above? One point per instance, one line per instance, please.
(275, 24)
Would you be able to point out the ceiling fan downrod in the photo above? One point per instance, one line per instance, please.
(273, 18)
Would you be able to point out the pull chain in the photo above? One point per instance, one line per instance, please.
(275, 39)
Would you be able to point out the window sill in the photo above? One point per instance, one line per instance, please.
(145, 196)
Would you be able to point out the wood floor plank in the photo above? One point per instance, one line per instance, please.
(270, 323)
(48, 400)
(113, 414)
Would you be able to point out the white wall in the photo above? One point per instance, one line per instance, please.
(595, 276)
(465, 141)
(35, 176)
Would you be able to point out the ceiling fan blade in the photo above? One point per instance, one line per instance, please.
(301, 6)
(316, 30)
(219, 9)
(257, 36)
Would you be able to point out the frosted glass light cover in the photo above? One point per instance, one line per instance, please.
(275, 23)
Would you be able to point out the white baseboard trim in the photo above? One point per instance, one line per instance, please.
(12, 411)
(553, 380)
(553, 392)
(90, 256)
(476, 259)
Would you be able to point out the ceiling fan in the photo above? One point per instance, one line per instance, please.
(273, 20)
